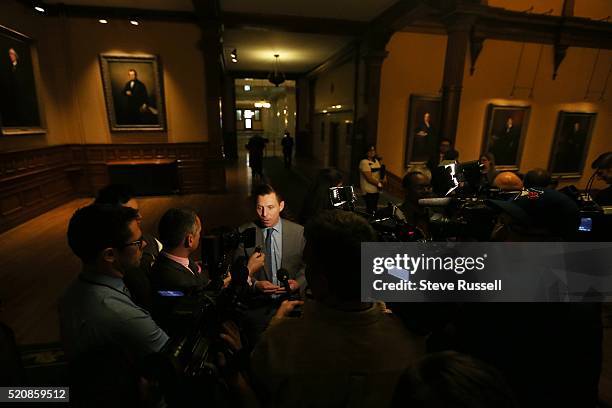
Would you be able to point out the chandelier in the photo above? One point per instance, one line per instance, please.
(276, 77)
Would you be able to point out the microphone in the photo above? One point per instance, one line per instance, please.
(435, 202)
(283, 277)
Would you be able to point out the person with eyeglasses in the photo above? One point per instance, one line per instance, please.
(136, 279)
(97, 310)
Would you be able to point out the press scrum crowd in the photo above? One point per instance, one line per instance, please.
(305, 338)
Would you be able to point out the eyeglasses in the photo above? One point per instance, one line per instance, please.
(139, 243)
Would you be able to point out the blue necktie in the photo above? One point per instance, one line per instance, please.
(269, 262)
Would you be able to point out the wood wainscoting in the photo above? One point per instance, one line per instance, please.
(394, 185)
(34, 181)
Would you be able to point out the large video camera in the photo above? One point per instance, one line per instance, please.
(461, 212)
(389, 222)
(187, 368)
(218, 248)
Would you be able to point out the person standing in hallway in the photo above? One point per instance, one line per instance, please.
(287, 144)
(256, 146)
(370, 179)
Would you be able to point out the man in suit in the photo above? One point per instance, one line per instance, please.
(504, 144)
(281, 240)
(179, 232)
(137, 99)
(424, 139)
(18, 105)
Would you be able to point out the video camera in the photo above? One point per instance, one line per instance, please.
(389, 222)
(459, 210)
(186, 368)
(218, 247)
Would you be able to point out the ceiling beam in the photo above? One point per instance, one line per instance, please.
(293, 24)
(501, 24)
(346, 54)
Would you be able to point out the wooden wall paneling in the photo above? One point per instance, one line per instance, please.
(36, 180)
(394, 185)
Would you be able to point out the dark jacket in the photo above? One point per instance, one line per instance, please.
(167, 274)
(293, 247)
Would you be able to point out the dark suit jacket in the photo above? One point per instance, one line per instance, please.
(292, 248)
(169, 275)
(134, 101)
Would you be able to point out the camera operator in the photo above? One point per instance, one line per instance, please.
(179, 232)
(103, 331)
(340, 349)
(445, 153)
(487, 172)
(416, 186)
(549, 352)
(136, 279)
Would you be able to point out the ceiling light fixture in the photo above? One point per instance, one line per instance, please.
(247, 88)
(103, 21)
(234, 54)
(234, 60)
(134, 22)
(39, 8)
(276, 77)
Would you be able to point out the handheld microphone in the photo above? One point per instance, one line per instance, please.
(435, 202)
(283, 277)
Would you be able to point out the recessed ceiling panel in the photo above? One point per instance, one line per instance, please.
(298, 52)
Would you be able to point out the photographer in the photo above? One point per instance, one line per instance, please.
(340, 349)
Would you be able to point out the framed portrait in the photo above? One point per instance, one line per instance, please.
(134, 92)
(19, 105)
(504, 135)
(571, 143)
(423, 128)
